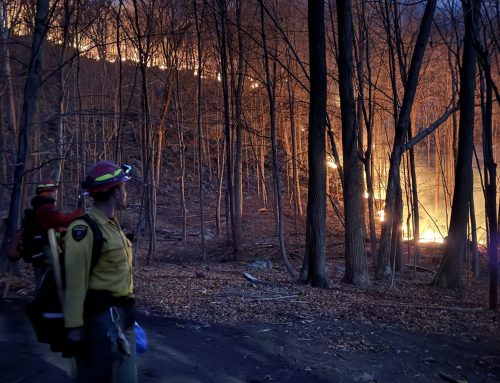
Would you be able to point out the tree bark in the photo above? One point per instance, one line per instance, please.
(414, 197)
(383, 269)
(313, 268)
(297, 200)
(222, 35)
(490, 172)
(9, 107)
(26, 124)
(238, 93)
(449, 274)
(60, 90)
(356, 270)
(199, 22)
(144, 32)
(473, 229)
(270, 86)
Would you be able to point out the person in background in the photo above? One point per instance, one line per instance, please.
(47, 216)
(99, 306)
(44, 204)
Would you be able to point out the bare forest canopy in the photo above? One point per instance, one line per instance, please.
(209, 101)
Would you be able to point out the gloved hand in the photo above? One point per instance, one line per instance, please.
(74, 341)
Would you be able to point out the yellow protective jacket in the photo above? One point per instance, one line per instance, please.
(113, 271)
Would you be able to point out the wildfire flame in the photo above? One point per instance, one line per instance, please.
(381, 215)
(331, 163)
(431, 236)
(426, 236)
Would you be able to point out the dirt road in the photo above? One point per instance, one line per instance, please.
(338, 351)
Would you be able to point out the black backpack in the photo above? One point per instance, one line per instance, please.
(33, 238)
(45, 311)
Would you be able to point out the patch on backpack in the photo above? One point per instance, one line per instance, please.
(79, 232)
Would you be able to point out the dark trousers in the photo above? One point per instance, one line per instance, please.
(39, 271)
(102, 361)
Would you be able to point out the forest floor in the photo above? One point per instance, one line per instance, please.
(206, 322)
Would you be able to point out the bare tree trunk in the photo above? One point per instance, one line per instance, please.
(437, 167)
(371, 208)
(60, 84)
(9, 106)
(270, 86)
(295, 171)
(220, 177)
(238, 93)
(414, 199)
(313, 268)
(143, 35)
(396, 246)
(26, 125)
(383, 269)
(262, 167)
(473, 228)
(356, 270)
(118, 145)
(490, 176)
(182, 158)
(157, 166)
(222, 32)
(81, 135)
(199, 22)
(449, 275)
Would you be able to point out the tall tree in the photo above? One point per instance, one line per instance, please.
(313, 268)
(61, 78)
(490, 175)
(221, 24)
(363, 58)
(356, 270)
(403, 122)
(237, 83)
(271, 93)
(490, 167)
(449, 274)
(143, 29)
(9, 108)
(27, 119)
(198, 23)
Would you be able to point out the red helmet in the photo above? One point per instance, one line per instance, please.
(46, 185)
(105, 175)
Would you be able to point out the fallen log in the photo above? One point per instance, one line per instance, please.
(249, 277)
(421, 268)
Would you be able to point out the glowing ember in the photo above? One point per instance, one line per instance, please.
(367, 194)
(381, 215)
(431, 236)
(331, 163)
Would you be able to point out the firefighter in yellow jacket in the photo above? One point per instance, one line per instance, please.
(99, 310)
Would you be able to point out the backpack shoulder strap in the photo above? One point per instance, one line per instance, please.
(98, 239)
